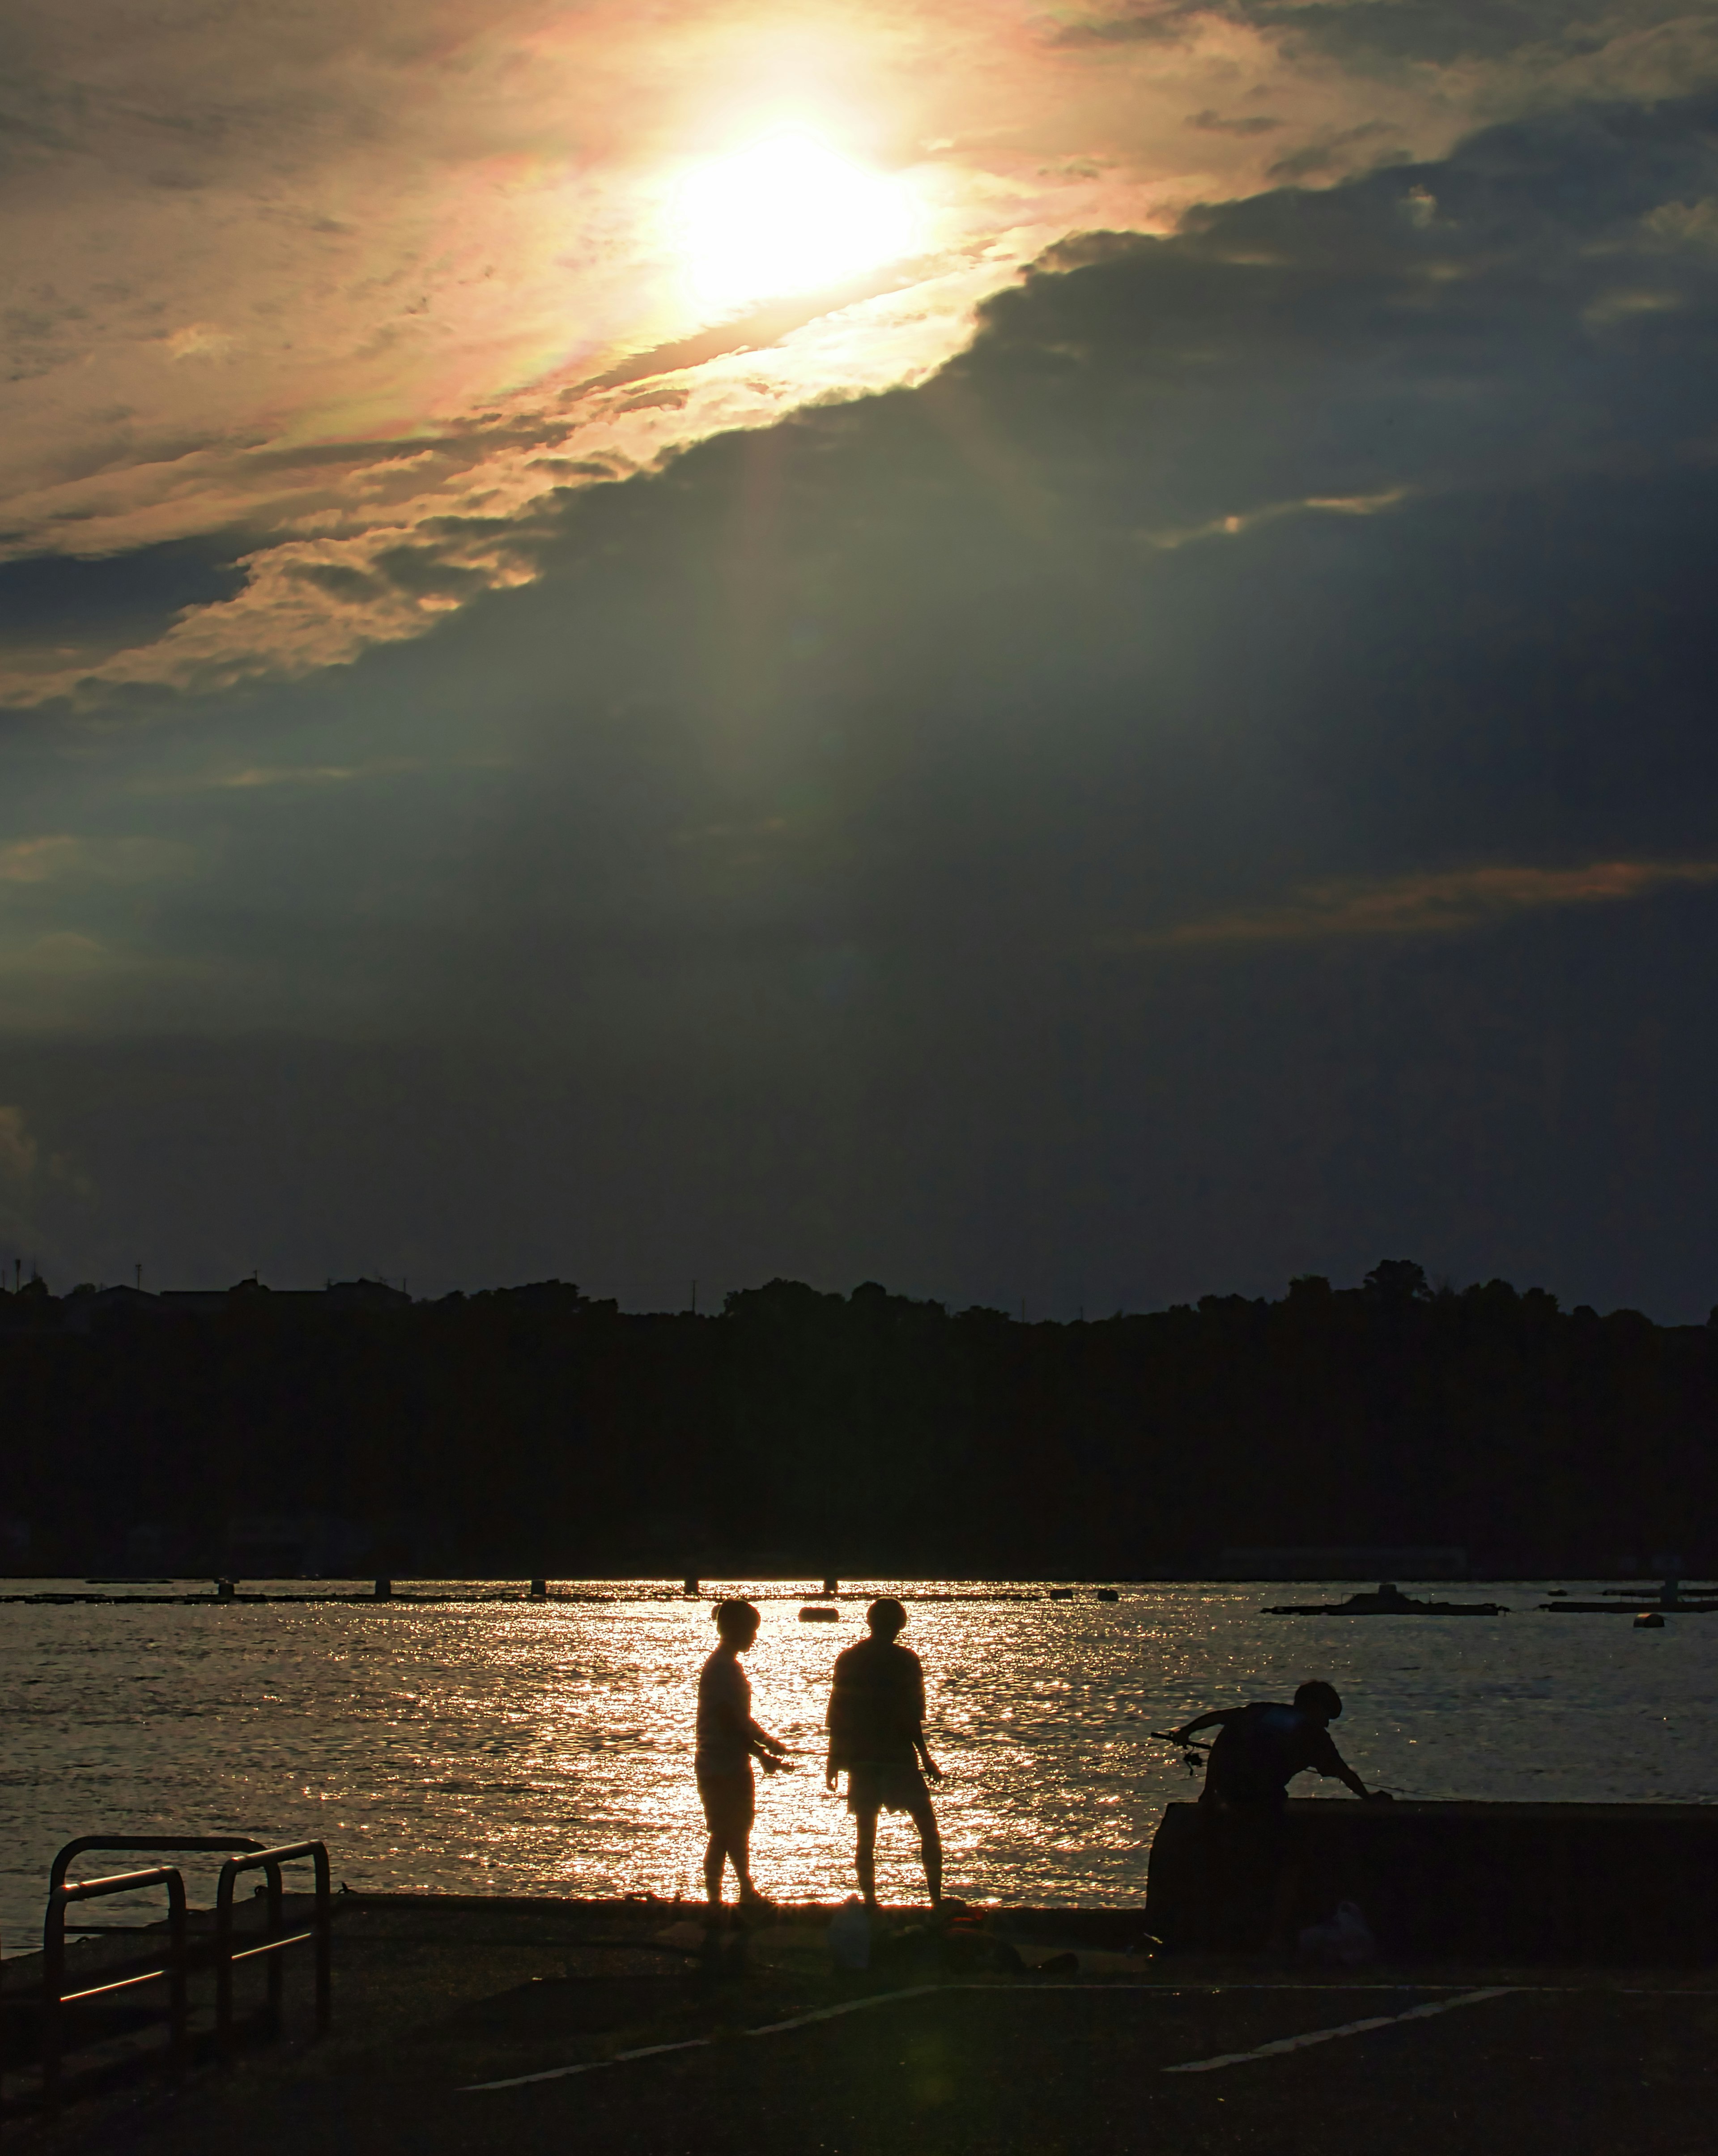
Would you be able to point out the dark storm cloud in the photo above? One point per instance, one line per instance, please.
(1544, 301)
(1441, 33)
(1217, 784)
(55, 604)
(1448, 31)
(47, 597)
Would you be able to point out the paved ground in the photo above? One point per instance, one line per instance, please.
(916, 2058)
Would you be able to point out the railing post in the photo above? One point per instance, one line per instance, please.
(324, 1921)
(277, 1968)
(55, 1997)
(178, 2007)
(52, 1986)
(223, 1959)
(269, 1861)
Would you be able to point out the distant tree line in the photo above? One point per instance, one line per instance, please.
(533, 1431)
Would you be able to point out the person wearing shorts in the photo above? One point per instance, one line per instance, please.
(728, 1741)
(876, 1725)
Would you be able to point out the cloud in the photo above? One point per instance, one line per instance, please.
(1451, 902)
(1213, 123)
(28, 1177)
(1228, 576)
(64, 859)
(257, 776)
(18, 1151)
(1588, 49)
(425, 290)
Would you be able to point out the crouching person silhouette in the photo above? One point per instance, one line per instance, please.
(876, 1725)
(1260, 1748)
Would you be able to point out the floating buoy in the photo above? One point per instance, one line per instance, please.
(1061, 1594)
(1650, 1620)
(1108, 1594)
(812, 1614)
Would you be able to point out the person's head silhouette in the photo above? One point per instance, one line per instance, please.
(1319, 1701)
(885, 1617)
(737, 1622)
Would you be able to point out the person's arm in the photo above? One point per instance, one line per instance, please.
(736, 1723)
(1337, 1768)
(760, 1743)
(1205, 1721)
(835, 1757)
(915, 1705)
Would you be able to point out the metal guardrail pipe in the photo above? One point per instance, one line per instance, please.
(56, 1998)
(128, 1844)
(268, 1862)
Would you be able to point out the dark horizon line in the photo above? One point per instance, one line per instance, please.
(1399, 1283)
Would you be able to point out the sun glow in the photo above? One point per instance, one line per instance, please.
(786, 214)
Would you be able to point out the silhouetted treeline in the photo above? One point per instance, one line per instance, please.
(531, 1430)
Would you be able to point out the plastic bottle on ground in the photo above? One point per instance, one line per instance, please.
(850, 1935)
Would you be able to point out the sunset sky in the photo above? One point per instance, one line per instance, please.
(1060, 653)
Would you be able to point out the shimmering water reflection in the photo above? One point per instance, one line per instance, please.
(508, 1746)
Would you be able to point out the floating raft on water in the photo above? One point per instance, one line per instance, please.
(1389, 1601)
(1622, 1609)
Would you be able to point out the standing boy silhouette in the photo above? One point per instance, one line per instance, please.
(876, 1725)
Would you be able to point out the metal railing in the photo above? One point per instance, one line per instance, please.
(55, 1997)
(229, 1954)
(134, 1843)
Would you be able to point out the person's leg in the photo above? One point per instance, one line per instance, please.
(864, 1857)
(930, 1849)
(739, 1853)
(714, 1856)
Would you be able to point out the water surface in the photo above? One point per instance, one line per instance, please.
(508, 1746)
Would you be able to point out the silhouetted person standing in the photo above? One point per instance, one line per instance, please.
(876, 1725)
(728, 1741)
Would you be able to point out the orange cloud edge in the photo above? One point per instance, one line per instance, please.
(1425, 903)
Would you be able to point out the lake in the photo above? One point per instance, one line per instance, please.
(507, 1747)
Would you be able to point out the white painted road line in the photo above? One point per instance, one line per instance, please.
(588, 2066)
(851, 2006)
(700, 2043)
(1168, 1991)
(1344, 2029)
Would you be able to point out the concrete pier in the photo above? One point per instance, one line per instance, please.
(1483, 1883)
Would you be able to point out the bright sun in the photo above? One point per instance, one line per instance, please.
(785, 214)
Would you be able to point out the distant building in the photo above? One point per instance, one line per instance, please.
(85, 1309)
